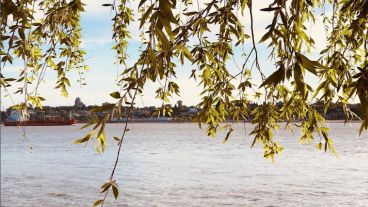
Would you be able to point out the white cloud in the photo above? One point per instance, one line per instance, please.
(91, 42)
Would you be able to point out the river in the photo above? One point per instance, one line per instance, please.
(166, 164)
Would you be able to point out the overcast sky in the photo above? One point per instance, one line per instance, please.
(101, 78)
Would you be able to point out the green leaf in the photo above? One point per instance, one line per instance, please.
(152, 58)
(80, 141)
(85, 139)
(163, 39)
(228, 135)
(105, 187)
(21, 34)
(97, 202)
(117, 139)
(311, 66)
(265, 36)
(145, 16)
(115, 95)
(115, 191)
(102, 140)
(270, 9)
(187, 54)
(141, 3)
(166, 11)
(275, 78)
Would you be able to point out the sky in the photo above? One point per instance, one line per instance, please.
(101, 78)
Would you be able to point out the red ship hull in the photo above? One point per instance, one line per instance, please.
(40, 122)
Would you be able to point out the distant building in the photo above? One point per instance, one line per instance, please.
(180, 104)
(78, 104)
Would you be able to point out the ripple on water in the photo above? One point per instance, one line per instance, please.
(176, 165)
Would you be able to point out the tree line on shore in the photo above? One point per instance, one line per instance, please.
(181, 112)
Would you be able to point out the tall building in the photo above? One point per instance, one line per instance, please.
(78, 103)
(180, 104)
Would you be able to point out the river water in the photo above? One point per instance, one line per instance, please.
(177, 165)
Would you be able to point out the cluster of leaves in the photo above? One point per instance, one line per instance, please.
(188, 36)
(341, 67)
(40, 43)
(208, 36)
(105, 187)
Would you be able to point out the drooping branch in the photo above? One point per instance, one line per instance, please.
(253, 40)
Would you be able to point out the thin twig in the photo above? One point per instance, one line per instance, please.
(121, 143)
(253, 40)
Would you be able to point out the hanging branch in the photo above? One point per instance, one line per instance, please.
(253, 40)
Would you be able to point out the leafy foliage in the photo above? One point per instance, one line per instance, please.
(51, 42)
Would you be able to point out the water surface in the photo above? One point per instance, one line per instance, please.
(177, 165)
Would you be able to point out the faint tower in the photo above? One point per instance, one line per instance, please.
(180, 104)
(78, 104)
